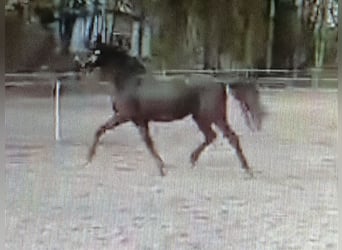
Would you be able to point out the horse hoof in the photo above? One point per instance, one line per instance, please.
(163, 172)
(86, 164)
(249, 173)
(193, 162)
(90, 157)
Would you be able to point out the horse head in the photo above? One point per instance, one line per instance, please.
(113, 59)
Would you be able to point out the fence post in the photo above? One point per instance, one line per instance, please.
(316, 77)
(57, 109)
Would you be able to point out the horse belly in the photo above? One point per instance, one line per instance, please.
(166, 102)
(164, 111)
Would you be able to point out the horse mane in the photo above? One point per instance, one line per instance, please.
(118, 58)
(108, 52)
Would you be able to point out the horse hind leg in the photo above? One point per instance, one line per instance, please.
(144, 131)
(209, 135)
(235, 142)
(113, 122)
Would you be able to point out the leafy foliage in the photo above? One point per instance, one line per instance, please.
(215, 27)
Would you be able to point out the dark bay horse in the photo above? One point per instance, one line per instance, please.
(140, 97)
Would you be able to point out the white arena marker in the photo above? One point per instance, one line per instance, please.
(57, 110)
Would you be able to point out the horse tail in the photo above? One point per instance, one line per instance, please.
(248, 96)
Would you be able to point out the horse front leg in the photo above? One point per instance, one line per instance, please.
(113, 122)
(144, 131)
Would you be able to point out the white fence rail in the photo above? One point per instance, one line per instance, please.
(279, 74)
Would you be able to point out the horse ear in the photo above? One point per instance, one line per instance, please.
(98, 41)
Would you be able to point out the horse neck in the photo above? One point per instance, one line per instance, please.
(125, 82)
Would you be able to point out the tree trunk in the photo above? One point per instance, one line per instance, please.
(270, 35)
(111, 36)
(141, 32)
(135, 40)
(248, 43)
(211, 50)
(91, 28)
